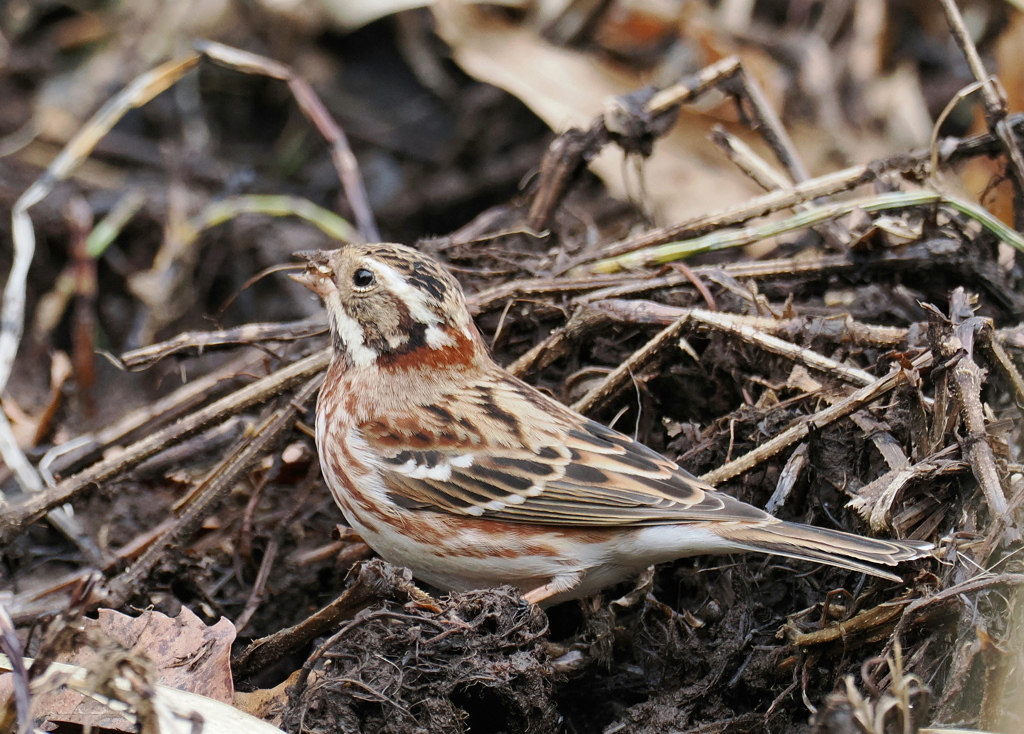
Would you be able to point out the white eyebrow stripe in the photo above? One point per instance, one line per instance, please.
(413, 297)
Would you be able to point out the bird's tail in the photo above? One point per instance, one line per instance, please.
(809, 543)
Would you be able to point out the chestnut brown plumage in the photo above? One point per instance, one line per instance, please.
(447, 464)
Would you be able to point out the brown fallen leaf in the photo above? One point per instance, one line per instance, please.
(568, 88)
(183, 653)
(267, 703)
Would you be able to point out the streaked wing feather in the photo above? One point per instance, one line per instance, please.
(567, 471)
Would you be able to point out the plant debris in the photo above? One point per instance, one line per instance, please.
(818, 311)
(461, 665)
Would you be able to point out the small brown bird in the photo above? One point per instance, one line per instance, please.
(447, 464)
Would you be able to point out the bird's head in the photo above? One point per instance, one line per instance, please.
(389, 304)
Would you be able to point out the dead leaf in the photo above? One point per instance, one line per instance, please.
(567, 88)
(184, 652)
(267, 703)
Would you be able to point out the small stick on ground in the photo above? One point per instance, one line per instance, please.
(88, 447)
(746, 328)
(967, 377)
(15, 519)
(993, 100)
(200, 342)
(597, 397)
(753, 165)
(212, 489)
(788, 478)
(801, 430)
(767, 122)
(583, 321)
(374, 580)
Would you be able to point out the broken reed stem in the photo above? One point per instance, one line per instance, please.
(992, 94)
(204, 341)
(692, 87)
(826, 417)
(726, 323)
(15, 519)
(952, 150)
(874, 501)
(814, 216)
(374, 580)
(967, 381)
(957, 344)
(617, 377)
(211, 490)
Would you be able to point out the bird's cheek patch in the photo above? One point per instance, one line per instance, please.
(353, 337)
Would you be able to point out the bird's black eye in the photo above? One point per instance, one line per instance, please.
(363, 278)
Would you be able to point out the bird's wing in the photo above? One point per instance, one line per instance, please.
(504, 451)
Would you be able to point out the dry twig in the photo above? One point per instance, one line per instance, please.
(15, 519)
(819, 420)
(212, 489)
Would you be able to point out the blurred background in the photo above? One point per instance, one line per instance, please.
(449, 108)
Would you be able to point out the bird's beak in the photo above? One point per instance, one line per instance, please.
(318, 275)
